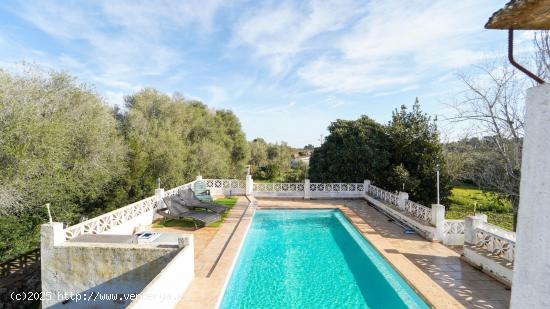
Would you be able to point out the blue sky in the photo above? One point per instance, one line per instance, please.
(286, 68)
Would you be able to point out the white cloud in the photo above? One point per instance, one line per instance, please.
(399, 43)
(395, 91)
(278, 33)
(403, 27)
(218, 95)
(154, 16)
(349, 46)
(279, 110)
(334, 102)
(350, 76)
(114, 98)
(121, 41)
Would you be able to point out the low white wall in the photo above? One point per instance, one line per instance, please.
(281, 194)
(168, 287)
(426, 231)
(488, 264)
(454, 240)
(477, 255)
(312, 194)
(307, 190)
(119, 221)
(226, 191)
(453, 232)
(130, 226)
(497, 230)
(335, 195)
(224, 186)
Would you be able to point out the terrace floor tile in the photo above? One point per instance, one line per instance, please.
(436, 271)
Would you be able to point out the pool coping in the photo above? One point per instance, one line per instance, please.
(205, 292)
(253, 203)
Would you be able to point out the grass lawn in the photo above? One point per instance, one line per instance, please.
(188, 223)
(463, 199)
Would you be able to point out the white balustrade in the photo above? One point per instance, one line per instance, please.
(225, 186)
(336, 187)
(495, 244)
(178, 189)
(278, 187)
(418, 211)
(453, 232)
(383, 195)
(313, 190)
(497, 230)
(140, 212)
(112, 219)
(225, 183)
(453, 227)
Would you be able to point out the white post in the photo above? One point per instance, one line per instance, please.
(438, 214)
(51, 235)
(249, 185)
(366, 185)
(483, 217)
(159, 193)
(470, 224)
(307, 193)
(49, 213)
(531, 283)
(402, 198)
(438, 220)
(438, 202)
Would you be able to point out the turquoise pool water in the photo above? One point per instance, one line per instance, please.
(313, 259)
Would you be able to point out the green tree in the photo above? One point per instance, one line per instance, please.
(403, 153)
(175, 140)
(59, 144)
(297, 173)
(353, 151)
(235, 141)
(258, 152)
(415, 153)
(270, 161)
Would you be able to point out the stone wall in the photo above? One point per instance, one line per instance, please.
(87, 269)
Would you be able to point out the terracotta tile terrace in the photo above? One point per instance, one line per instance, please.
(434, 270)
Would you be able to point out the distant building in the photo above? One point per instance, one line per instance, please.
(296, 161)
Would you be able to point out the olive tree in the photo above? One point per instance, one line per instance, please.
(59, 144)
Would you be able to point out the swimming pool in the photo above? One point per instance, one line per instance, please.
(313, 259)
